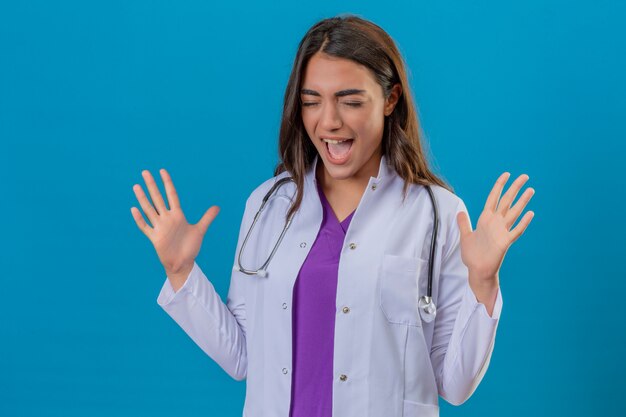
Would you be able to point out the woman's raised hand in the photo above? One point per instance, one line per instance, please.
(177, 242)
(483, 249)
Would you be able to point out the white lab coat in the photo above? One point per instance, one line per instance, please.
(392, 363)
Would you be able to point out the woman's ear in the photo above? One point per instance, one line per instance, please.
(392, 100)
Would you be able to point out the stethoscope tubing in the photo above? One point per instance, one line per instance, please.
(426, 305)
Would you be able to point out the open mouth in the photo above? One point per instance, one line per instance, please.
(338, 151)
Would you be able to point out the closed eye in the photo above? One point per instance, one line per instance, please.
(352, 104)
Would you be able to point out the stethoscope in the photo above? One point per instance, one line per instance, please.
(426, 306)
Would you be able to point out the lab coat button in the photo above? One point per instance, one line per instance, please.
(303, 245)
(284, 306)
(374, 187)
(346, 309)
(352, 245)
(343, 377)
(285, 370)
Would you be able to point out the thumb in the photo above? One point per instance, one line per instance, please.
(465, 226)
(207, 219)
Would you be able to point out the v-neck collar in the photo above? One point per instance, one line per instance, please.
(331, 214)
(386, 173)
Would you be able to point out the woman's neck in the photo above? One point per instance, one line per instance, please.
(352, 187)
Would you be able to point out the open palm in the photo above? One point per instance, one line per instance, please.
(483, 249)
(177, 242)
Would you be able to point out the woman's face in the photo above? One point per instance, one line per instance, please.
(342, 100)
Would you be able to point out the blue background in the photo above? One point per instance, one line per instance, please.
(91, 93)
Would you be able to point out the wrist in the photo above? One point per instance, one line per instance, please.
(485, 290)
(179, 276)
(484, 282)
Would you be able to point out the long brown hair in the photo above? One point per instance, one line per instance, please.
(352, 37)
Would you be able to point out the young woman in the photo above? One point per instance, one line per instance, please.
(333, 324)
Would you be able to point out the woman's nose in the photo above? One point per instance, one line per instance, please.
(330, 118)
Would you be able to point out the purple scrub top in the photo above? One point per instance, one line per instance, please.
(314, 310)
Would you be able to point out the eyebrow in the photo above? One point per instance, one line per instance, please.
(341, 93)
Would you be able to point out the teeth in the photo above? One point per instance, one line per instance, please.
(334, 141)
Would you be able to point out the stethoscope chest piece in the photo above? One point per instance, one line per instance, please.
(427, 308)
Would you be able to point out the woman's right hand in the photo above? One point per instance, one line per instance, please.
(177, 242)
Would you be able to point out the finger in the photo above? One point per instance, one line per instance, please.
(511, 193)
(465, 226)
(145, 204)
(170, 191)
(521, 226)
(512, 215)
(155, 194)
(141, 223)
(494, 195)
(208, 218)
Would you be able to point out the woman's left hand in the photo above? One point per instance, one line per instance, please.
(483, 249)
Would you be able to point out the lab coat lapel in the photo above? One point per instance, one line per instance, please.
(370, 217)
(307, 221)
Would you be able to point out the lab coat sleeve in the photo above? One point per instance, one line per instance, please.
(464, 333)
(219, 329)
